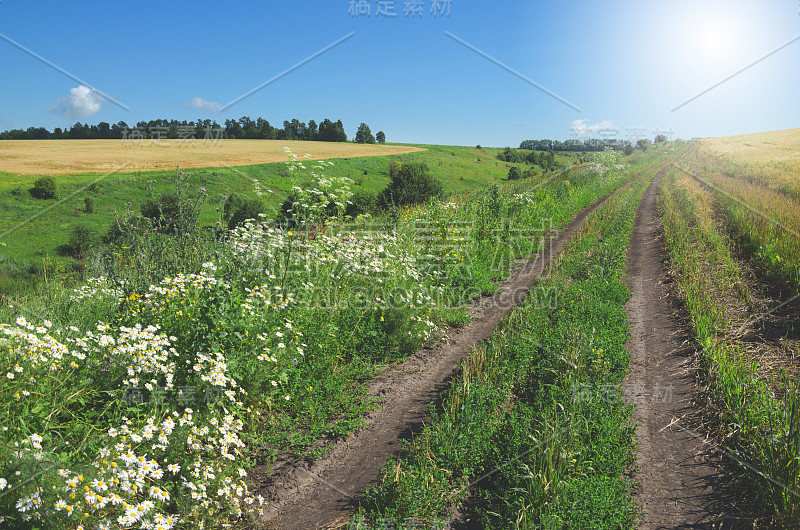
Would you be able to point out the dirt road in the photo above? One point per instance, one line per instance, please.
(678, 477)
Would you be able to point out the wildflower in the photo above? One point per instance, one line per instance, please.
(24, 504)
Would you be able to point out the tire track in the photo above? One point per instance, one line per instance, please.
(679, 484)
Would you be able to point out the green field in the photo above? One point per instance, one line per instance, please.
(33, 229)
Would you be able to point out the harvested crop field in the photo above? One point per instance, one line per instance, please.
(64, 157)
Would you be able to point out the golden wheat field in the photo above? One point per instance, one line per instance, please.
(767, 146)
(772, 158)
(64, 157)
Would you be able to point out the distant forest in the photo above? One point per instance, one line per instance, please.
(244, 127)
(592, 144)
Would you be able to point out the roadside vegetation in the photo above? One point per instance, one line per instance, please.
(731, 261)
(145, 394)
(534, 432)
(35, 249)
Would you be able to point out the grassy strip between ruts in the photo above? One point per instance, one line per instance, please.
(535, 428)
(760, 426)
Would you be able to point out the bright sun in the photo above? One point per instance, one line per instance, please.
(713, 40)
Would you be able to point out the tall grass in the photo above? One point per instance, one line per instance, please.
(763, 215)
(759, 427)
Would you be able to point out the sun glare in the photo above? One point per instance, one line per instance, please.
(714, 40)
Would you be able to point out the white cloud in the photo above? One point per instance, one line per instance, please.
(81, 104)
(584, 129)
(200, 103)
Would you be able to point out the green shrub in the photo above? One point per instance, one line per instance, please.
(363, 202)
(238, 209)
(81, 240)
(411, 183)
(162, 209)
(88, 205)
(45, 188)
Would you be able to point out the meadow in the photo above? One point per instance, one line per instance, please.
(756, 185)
(34, 229)
(144, 391)
(139, 397)
(730, 217)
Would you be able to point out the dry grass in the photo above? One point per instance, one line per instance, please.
(771, 158)
(767, 146)
(64, 157)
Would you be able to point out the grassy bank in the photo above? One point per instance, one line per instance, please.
(36, 229)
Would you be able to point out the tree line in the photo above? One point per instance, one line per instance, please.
(243, 128)
(545, 159)
(591, 144)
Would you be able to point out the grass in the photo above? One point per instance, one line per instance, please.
(534, 431)
(202, 351)
(34, 229)
(755, 179)
(758, 408)
(770, 158)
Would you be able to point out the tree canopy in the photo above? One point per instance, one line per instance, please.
(162, 129)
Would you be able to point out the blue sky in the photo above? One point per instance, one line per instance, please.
(625, 64)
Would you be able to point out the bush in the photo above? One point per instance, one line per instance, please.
(514, 173)
(88, 205)
(45, 188)
(164, 208)
(363, 202)
(80, 242)
(238, 209)
(628, 150)
(411, 183)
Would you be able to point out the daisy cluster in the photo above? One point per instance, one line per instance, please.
(173, 466)
(319, 271)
